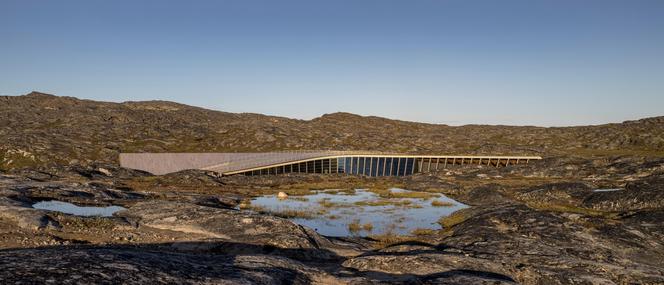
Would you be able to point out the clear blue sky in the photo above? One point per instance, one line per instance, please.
(456, 62)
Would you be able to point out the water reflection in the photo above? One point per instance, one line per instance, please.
(334, 213)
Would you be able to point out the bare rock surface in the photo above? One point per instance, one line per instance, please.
(128, 265)
(38, 129)
(591, 212)
(268, 232)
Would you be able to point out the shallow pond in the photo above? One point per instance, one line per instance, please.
(69, 208)
(335, 213)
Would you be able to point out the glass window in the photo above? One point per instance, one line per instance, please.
(374, 166)
(410, 163)
(388, 166)
(360, 165)
(325, 166)
(402, 166)
(381, 164)
(334, 165)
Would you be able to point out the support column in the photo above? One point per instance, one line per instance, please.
(364, 166)
(370, 165)
(399, 166)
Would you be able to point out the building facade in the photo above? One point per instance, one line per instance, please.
(324, 162)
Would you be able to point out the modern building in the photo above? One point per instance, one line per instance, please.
(338, 162)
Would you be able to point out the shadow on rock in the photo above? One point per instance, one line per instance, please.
(221, 262)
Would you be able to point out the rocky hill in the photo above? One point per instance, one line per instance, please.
(38, 129)
(591, 212)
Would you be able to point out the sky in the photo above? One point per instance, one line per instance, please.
(546, 63)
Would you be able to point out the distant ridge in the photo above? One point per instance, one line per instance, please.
(40, 128)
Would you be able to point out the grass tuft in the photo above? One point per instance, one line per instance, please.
(422, 232)
(453, 219)
(438, 203)
(285, 213)
(354, 226)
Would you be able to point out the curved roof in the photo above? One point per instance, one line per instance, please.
(227, 163)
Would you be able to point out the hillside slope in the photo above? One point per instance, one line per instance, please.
(37, 129)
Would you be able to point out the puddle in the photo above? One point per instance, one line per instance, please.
(608, 190)
(69, 208)
(334, 213)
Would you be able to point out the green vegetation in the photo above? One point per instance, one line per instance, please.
(572, 209)
(354, 226)
(389, 238)
(291, 213)
(384, 202)
(438, 203)
(17, 159)
(283, 213)
(388, 193)
(586, 152)
(302, 199)
(453, 219)
(422, 232)
(326, 203)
